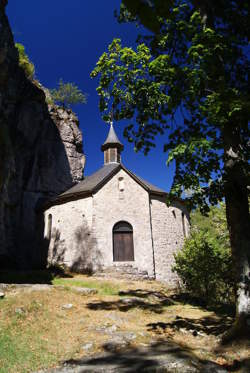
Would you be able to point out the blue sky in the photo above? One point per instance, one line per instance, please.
(64, 39)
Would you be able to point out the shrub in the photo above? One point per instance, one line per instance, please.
(205, 268)
(68, 94)
(24, 62)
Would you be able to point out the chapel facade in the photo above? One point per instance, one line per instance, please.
(114, 219)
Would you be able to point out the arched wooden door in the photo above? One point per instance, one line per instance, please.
(123, 245)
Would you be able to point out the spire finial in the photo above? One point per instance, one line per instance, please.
(111, 117)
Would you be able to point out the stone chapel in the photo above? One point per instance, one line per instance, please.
(114, 220)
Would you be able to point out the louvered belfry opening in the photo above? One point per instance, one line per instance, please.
(123, 244)
(112, 155)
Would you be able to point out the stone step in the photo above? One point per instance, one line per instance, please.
(125, 271)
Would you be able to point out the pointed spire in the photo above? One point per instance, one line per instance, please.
(112, 147)
(112, 140)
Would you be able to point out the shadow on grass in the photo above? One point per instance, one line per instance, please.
(161, 356)
(32, 277)
(205, 325)
(143, 299)
(218, 308)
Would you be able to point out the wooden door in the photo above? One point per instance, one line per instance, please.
(123, 246)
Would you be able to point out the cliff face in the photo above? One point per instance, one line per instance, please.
(40, 156)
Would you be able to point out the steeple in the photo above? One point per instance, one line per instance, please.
(112, 147)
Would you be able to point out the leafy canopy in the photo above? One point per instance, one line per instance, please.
(187, 79)
(214, 224)
(24, 61)
(68, 94)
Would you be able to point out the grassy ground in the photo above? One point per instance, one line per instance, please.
(37, 331)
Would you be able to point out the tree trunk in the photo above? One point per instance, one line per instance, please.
(236, 174)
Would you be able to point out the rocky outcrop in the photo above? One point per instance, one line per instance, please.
(40, 156)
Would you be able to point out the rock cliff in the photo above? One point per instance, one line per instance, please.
(40, 156)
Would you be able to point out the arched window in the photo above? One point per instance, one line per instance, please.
(123, 245)
(183, 224)
(49, 227)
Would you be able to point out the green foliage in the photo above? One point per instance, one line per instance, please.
(205, 263)
(68, 94)
(214, 224)
(205, 268)
(24, 61)
(188, 79)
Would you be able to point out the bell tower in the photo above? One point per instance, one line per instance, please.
(112, 147)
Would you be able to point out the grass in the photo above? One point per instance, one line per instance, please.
(37, 332)
(103, 287)
(20, 349)
(17, 356)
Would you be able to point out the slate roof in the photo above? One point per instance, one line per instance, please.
(90, 183)
(112, 139)
(95, 181)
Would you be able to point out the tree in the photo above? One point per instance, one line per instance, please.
(214, 223)
(68, 94)
(24, 61)
(189, 79)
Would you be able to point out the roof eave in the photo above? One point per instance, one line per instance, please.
(112, 145)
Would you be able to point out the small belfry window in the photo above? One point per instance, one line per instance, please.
(123, 245)
(121, 184)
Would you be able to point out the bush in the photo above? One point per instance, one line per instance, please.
(24, 62)
(205, 268)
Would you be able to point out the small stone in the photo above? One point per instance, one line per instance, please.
(130, 335)
(116, 344)
(67, 306)
(112, 329)
(83, 291)
(117, 318)
(87, 346)
(19, 311)
(144, 334)
(2, 295)
(182, 330)
(129, 300)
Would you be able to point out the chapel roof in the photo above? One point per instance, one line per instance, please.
(95, 181)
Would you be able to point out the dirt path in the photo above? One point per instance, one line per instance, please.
(158, 357)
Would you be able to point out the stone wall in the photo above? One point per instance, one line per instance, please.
(72, 243)
(168, 235)
(95, 217)
(40, 156)
(111, 205)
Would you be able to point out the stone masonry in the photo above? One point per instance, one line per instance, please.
(81, 236)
